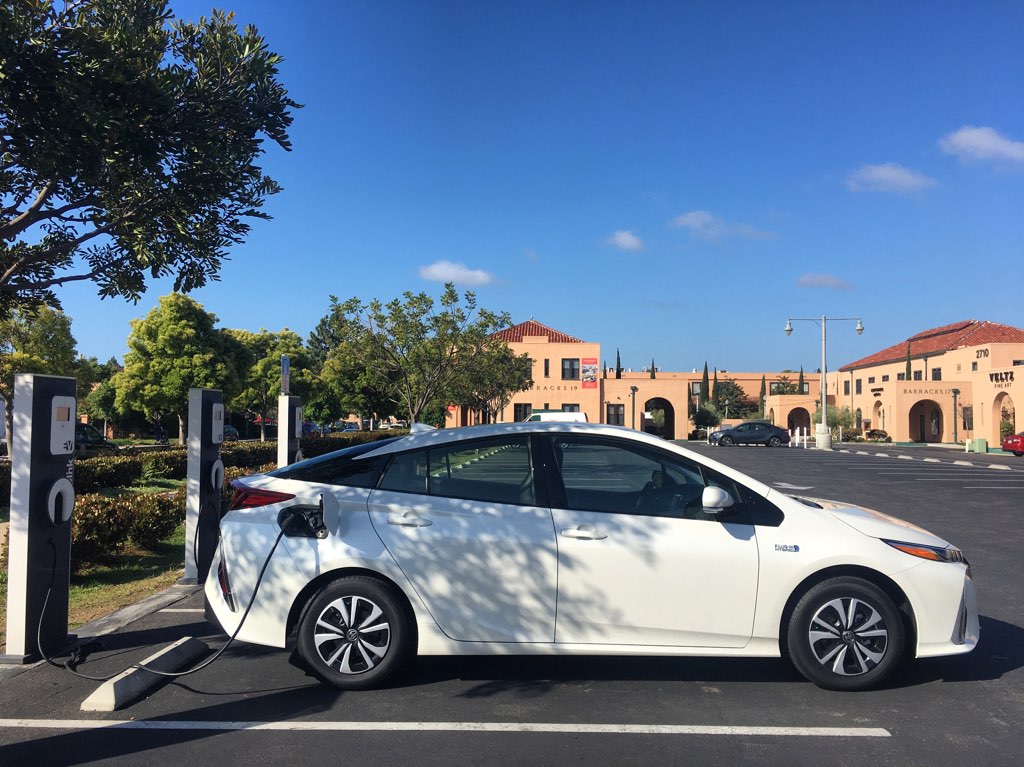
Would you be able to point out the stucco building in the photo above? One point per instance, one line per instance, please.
(982, 362)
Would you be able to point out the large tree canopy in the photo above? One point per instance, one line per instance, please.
(128, 144)
(172, 349)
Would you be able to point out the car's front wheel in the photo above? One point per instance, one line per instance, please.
(774, 442)
(726, 440)
(355, 633)
(846, 634)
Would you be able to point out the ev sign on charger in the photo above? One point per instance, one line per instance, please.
(42, 503)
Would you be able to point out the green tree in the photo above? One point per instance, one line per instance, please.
(129, 145)
(702, 398)
(741, 405)
(837, 416)
(33, 340)
(800, 388)
(716, 397)
(412, 349)
(488, 382)
(652, 367)
(706, 416)
(260, 372)
(618, 364)
(172, 349)
(762, 396)
(907, 373)
(784, 386)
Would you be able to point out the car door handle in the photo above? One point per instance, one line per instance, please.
(584, 533)
(409, 519)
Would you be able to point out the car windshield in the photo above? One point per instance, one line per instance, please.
(300, 468)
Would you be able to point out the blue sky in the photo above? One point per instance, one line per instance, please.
(671, 178)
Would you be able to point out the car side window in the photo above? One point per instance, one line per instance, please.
(497, 471)
(614, 477)
(407, 473)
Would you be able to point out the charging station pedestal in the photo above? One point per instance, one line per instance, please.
(205, 481)
(42, 498)
(289, 430)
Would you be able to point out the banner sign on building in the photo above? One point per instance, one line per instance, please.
(588, 372)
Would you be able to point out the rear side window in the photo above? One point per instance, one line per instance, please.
(496, 471)
(345, 467)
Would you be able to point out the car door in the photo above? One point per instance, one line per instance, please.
(463, 522)
(639, 560)
(758, 433)
(741, 434)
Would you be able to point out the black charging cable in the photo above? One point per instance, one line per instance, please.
(76, 655)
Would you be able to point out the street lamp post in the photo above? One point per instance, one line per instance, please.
(727, 410)
(632, 407)
(823, 437)
(956, 393)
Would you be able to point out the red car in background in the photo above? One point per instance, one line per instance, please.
(1014, 443)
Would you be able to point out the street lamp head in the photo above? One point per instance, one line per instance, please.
(860, 327)
(634, 389)
(789, 328)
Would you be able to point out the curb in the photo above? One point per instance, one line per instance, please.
(928, 459)
(129, 685)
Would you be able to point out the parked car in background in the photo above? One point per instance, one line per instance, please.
(751, 433)
(89, 441)
(556, 415)
(349, 426)
(877, 435)
(230, 433)
(386, 550)
(1014, 443)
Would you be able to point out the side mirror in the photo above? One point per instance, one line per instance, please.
(715, 500)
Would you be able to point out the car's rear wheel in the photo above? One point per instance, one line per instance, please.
(1018, 454)
(726, 440)
(846, 634)
(356, 633)
(774, 442)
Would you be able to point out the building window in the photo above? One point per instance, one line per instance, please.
(571, 369)
(1018, 363)
(917, 375)
(846, 388)
(570, 408)
(547, 368)
(857, 387)
(936, 374)
(969, 417)
(616, 415)
(958, 367)
(807, 388)
(695, 388)
(522, 411)
(974, 366)
(871, 379)
(885, 378)
(901, 376)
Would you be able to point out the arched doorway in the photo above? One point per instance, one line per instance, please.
(926, 422)
(771, 416)
(1004, 417)
(662, 422)
(877, 416)
(799, 418)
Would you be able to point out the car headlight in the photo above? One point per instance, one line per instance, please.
(934, 553)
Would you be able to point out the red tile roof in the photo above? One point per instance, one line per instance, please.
(516, 333)
(936, 341)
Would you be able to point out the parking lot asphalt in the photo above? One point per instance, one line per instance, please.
(587, 710)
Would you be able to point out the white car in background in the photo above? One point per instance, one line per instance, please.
(572, 538)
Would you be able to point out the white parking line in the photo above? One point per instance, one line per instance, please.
(508, 727)
(183, 610)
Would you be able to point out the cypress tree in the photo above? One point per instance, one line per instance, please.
(652, 367)
(714, 389)
(702, 398)
(764, 393)
(907, 375)
(618, 365)
(800, 381)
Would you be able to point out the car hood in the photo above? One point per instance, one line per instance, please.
(878, 525)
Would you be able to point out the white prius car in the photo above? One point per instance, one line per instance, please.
(573, 538)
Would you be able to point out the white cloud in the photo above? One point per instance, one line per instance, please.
(447, 271)
(708, 226)
(829, 281)
(625, 240)
(887, 177)
(973, 143)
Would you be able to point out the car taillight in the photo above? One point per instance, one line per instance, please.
(251, 498)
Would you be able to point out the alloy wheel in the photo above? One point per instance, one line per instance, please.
(848, 636)
(352, 635)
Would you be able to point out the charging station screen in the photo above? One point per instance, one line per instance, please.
(63, 414)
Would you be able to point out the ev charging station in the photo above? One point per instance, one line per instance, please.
(205, 480)
(289, 430)
(42, 499)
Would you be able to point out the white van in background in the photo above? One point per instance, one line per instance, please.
(557, 415)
